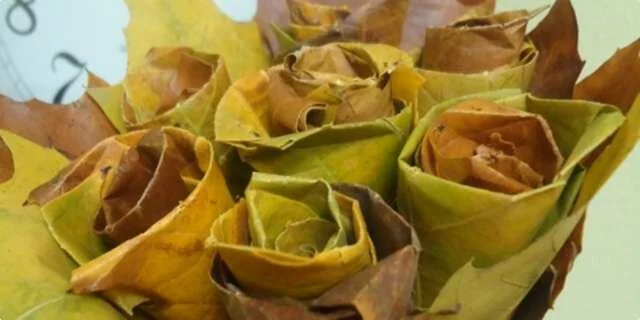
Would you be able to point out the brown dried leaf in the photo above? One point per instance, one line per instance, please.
(559, 63)
(486, 145)
(71, 129)
(381, 291)
(293, 112)
(7, 167)
(616, 81)
(476, 44)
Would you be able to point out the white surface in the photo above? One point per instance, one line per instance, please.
(605, 282)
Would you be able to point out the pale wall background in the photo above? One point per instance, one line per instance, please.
(605, 283)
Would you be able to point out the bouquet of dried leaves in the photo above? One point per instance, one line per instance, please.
(386, 159)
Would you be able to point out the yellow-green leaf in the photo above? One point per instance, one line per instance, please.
(197, 24)
(35, 271)
(110, 100)
(474, 293)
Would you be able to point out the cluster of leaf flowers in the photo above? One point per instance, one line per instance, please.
(352, 178)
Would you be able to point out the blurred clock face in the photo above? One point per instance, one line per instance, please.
(47, 46)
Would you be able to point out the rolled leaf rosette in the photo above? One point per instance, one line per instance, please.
(379, 21)
(339, 112)
(153, 194)
(482, 176)
(476, 54)
(295, 247)
(175, 86)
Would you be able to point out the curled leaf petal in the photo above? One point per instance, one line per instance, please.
(147, 182)
(137, 169)
(483, 144)
(507, 281)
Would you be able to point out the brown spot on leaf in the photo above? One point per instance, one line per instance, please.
(7, 167)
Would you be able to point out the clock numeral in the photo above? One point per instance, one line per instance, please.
(73, 61)
(25, 7)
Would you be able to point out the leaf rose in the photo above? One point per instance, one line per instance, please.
(481, 176)
(476, 54)
(315, 244)
(339, 112)
(153, 194)
(174, 86)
